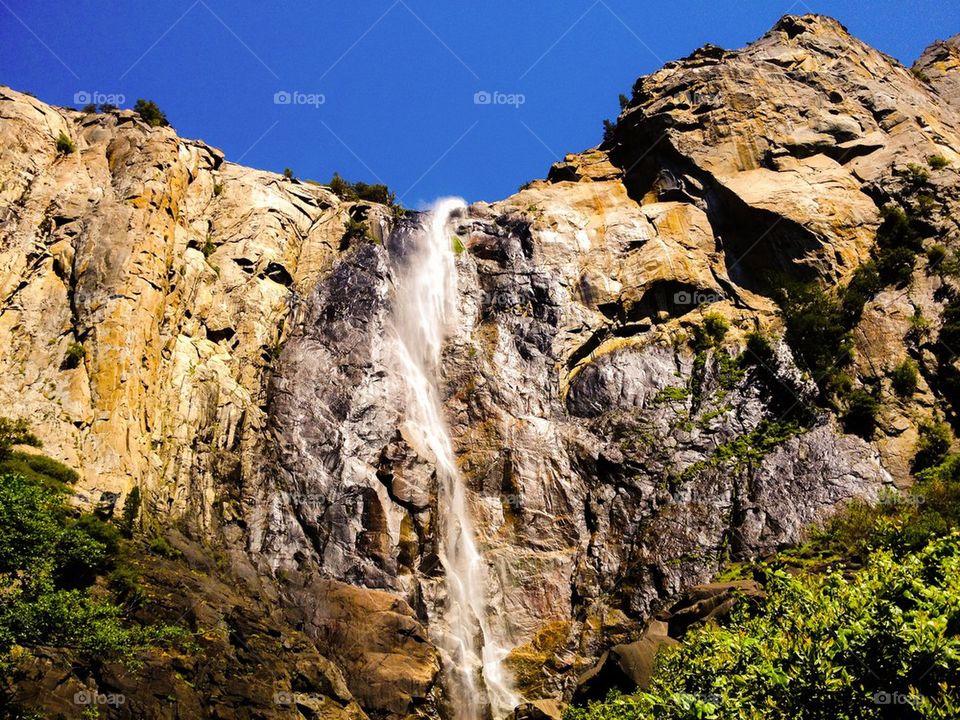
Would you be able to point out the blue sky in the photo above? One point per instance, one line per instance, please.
(398, 78)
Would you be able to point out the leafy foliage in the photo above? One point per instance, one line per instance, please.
(904, 378)
(65, 145)
(860, 416)
(880, 643)
(377, 193)
(933, 444)
(15, 432)
(609, 131)
(150, 113)
(74, 355)
(49, 558)
(817, 329)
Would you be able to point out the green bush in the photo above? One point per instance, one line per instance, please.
(350, 192)
(915, 175)
(933, 444)
(39, 469)
(130, 513)
(609, 131)
(65, 145)
(710, 333)
(821, 647)
(160, 546)
(937, 162)
(936, 254)
(15, 432)
(208, 248)
(759, 349)
(904, 378)
(48, 561)
(74, 356)
(817, 330)
(150, 113)
(860, 416)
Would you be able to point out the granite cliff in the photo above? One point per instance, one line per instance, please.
(625, 409)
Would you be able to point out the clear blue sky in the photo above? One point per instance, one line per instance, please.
(398, 77)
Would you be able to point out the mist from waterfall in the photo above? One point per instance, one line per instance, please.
(425, 311)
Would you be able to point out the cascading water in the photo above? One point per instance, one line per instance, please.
(426, 292)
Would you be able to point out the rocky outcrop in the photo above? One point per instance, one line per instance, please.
(619, 438)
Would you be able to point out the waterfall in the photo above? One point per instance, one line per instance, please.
(425, 310)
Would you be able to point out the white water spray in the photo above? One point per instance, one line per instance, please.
(425, 309)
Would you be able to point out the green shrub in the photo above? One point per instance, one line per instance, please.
(48, 561)
(355, 230)
(716, 327)
(350, 192)
(74, 356)
(671, 394)
(864, 284)
(15, 432)
(820, 647)
(710, 333)
(916, 175)
(150, 113)
(860, 416)
(950, 329)
(895, 266)
(904, 378)
(933, 444)
(609, 131)
(160, 546)
(40, 469)
(65, 145)
(288, 174)
(124, 580)
(936, 254)
(341, 188)
(817, 330)
(937, 162)
(208, 248)
(457, 245)
(131, 511)
(759, 349)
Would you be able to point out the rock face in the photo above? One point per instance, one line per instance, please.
(617, 447)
